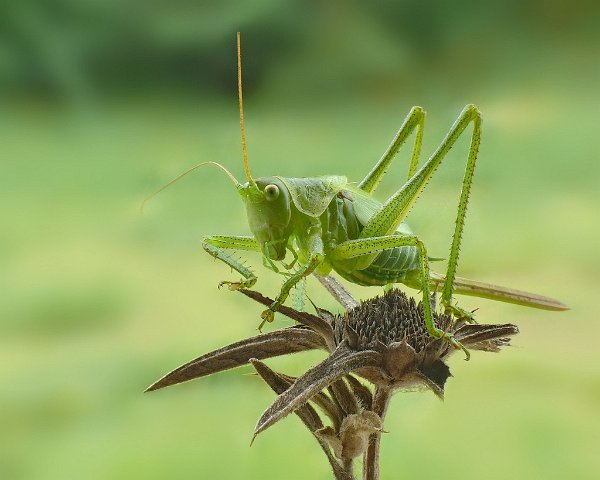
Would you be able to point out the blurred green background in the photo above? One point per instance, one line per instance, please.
(104, 100)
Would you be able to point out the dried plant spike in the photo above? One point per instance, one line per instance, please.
(361, 392)
(486, 337)
(344, 396)
(318, 324)
(267, 345)
(339, 363)
(279, 383)
(329, 407)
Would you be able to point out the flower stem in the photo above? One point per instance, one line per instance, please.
(381, 401)
(347, 472)
(341, 471)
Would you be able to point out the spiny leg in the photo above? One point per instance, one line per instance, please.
(269, 314)
(470, 114)
(393, 212)
(374, 245)
(299, 295)
(215, 246)
(414, 119)
(396, 208)
(316, 257)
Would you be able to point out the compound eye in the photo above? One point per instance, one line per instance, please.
(271, 192)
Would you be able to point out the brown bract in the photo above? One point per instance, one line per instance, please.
(383, 340)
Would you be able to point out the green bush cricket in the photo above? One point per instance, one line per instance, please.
(330, 224)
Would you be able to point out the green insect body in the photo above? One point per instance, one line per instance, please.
(327, 224)
(330, 224)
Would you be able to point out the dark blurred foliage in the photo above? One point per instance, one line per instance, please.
(81, 49)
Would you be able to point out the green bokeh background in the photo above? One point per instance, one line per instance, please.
(103, 101)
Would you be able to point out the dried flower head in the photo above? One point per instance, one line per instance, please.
(383, 340)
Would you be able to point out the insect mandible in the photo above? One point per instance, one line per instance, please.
(330, 224)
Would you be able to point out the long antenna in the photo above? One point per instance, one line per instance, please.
(241, 101)
(181, 175)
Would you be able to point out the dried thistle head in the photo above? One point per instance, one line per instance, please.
(393, 325)
(383, 340)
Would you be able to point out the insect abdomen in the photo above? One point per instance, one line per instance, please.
(390, 266)
(339, 223)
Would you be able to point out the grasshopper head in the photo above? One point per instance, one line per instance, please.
(269, 209)
(267, 199)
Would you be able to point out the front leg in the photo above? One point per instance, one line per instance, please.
(269, 314)
(215, 245)
(315, 258)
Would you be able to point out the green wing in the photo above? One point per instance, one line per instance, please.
(312, 195)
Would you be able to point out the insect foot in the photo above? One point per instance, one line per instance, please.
(459, 313)
(238, 285)
(449, 337)
(267, 316)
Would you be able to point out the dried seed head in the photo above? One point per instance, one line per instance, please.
(378, 322)
(384, 340)
(394, 326)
